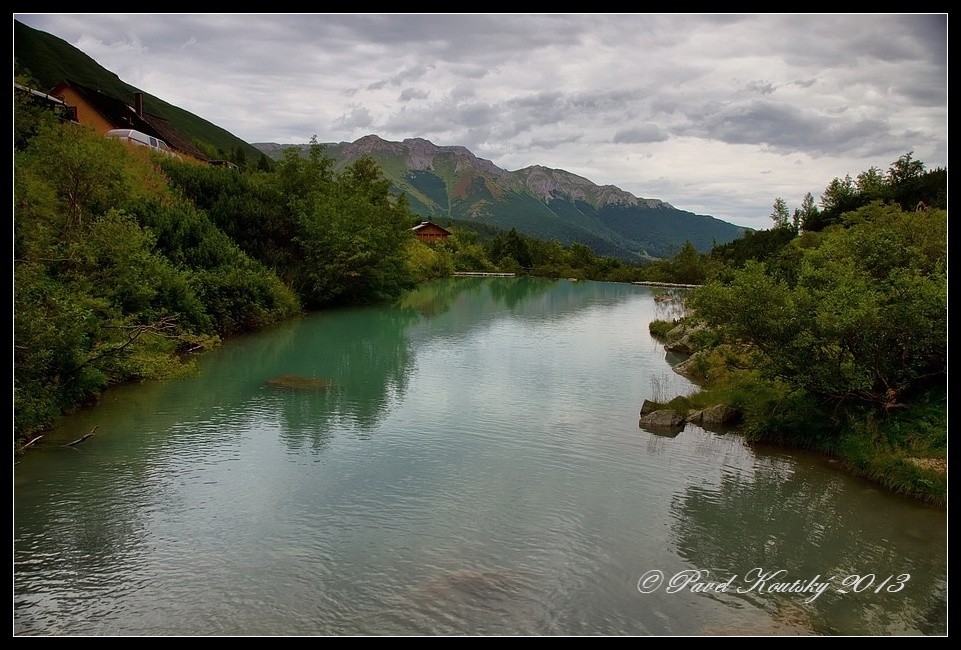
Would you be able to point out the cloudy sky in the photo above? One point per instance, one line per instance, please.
(717, 114)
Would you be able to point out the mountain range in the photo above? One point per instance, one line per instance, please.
(450, 182)
(443, 183)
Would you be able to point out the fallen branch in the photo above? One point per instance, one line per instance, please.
(84, 437)
(32, 441)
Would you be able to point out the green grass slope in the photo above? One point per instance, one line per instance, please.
(49, 60)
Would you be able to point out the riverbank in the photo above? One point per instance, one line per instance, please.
(904, 450)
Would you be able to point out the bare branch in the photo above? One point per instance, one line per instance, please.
(82, 438)
(162, 327)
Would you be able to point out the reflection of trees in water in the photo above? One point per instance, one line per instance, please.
(517, 290)
(669, 302)
(438, 297)
(366, 357)
(367, 354)
(455, 306)
(814, 523)
(435, 298)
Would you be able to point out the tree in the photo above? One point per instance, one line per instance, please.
(90, 172)
(838, 195)
(512, 245)
(29, 117)
(910, 185)
(238, 156)
(904, 169)
(871, 183)
(780, 215)
(809, 211)
(865, 319)
(688, 265)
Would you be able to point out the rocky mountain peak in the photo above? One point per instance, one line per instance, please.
(546, 184)
(370, 144)
(421, 154)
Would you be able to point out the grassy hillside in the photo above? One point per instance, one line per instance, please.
(48, 60)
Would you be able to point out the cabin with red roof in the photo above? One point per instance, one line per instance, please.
(430, 232)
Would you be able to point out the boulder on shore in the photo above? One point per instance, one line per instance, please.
(718, 415)
(649, 407)
(654, 416)
(686, 367)
(683, 345)
(662, 419)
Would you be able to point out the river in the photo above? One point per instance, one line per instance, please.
(469, 462)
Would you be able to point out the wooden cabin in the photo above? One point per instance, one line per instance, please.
(105, 113)
(430, 232)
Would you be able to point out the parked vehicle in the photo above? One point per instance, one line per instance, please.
(139, 139)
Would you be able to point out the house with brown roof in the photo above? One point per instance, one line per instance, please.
(105, 113)
(429, 231)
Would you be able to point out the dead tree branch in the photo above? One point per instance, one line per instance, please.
(82, 438)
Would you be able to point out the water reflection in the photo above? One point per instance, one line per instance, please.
(366, 357)
(466, 461)
(817, 523)
(669, 302)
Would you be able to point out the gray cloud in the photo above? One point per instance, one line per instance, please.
(358, 118)
(710, 101)
(554, 143)
(760, 87)
(408, 94)
(642, 133)
(785, 128)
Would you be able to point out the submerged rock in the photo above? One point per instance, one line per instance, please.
(296, 382)
(467, 586)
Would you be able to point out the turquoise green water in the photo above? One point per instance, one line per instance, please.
(475, 467)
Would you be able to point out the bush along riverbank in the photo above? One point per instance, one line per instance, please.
(840, 350)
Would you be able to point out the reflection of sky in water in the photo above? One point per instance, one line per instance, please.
(475, 467)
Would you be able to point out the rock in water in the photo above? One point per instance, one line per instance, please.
(296, 382)
(662, 419)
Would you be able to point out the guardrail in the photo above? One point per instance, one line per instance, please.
(481, 274)
(648, 283)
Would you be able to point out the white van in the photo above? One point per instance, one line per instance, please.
(142, 140)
